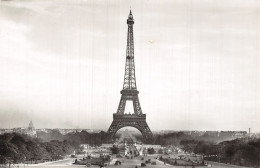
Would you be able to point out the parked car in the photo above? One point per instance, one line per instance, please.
(117, 163)
(153, 163)
(143, 164)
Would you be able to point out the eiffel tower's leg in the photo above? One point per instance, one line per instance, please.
(112, 129)
(137, 106)
(147, 133)
(121, 107)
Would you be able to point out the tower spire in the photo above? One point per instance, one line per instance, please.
(129, 78)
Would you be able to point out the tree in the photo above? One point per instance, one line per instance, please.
(151, 151)
(114, 150)
(160, 151)
(229, 152)
(188, 145)
(175, 162)
(2, 160)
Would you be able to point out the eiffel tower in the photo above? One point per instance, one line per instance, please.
(129, 93)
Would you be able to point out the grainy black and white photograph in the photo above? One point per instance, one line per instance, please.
(130, 84)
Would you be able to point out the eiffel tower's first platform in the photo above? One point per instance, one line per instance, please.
(130, 92)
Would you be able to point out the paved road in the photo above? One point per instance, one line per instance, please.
(220, 165)
(126, 163)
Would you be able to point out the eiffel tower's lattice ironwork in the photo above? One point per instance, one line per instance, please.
(130, 92)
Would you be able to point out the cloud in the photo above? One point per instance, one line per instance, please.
(65, 60)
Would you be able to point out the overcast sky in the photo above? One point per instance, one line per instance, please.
(197, 63)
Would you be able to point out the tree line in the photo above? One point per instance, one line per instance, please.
(83, 137)
(241, 152)
(18, 148)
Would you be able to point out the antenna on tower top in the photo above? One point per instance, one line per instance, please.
(130, 10)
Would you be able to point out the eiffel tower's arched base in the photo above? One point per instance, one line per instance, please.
(130, 120)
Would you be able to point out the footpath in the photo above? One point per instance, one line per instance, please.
(213, 164)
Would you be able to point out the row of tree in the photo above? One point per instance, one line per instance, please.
(83, 137)
(17, 148)
(176, 137)
(239, 151)
(53, 145)
(99, 138)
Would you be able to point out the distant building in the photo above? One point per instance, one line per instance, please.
(2, 131)
(30, 130)
(67, 131)
(233, 134)
(212, 133)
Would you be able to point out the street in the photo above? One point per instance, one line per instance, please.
(126, 163)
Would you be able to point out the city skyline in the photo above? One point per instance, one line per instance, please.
(62, 63)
